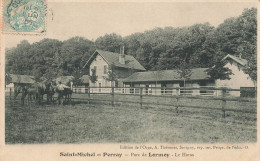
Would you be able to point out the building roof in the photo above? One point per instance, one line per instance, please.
(237, 59)
(22, 79)
(85, 79)
(64, 79)
(166, 75)
(113, 58)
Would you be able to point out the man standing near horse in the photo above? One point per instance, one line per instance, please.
(60, 90)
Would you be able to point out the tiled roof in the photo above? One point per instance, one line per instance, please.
(113, 58)
(166, 75)
(25, 79)
(239, 60)
(84, 79)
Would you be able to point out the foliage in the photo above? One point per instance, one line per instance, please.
(93, 77)
(111, 74)
(109, 42)
(8, 79)
(201, 45)
(184, 71)
(218, 71)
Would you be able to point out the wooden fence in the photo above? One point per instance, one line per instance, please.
(224, 96)
(172, 93)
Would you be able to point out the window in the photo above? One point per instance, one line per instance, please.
(116, 83)
(163, 88)
(105, 69)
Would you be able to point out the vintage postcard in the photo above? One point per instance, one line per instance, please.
(129, 80)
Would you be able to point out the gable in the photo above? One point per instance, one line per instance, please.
(231, 58)
(98, 61)
(113, 58)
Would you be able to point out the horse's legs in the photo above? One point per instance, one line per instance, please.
(23, 98)
(70, 98)
(15, 95)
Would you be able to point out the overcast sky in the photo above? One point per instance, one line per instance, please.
(91, 20)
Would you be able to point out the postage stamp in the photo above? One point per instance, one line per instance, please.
(24, 16)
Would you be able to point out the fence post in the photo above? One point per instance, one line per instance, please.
(224, 102)
(177, 99)
(141, 97)
(113, 96)
(10, 96)
(88, 95)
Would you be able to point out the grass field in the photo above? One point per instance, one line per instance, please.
(100, 122)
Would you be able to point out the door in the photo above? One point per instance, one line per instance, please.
(99, 85)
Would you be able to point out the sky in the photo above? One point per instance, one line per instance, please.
(91, 20)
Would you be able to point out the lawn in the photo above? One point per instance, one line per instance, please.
(125, 123)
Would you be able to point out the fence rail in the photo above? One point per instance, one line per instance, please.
(204, 93)
(199, 91)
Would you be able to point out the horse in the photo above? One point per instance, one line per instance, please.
(66, 94)
(50, 91)
(19, 88)
(38, 89)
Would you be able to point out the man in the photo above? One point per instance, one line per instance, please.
(60, 90)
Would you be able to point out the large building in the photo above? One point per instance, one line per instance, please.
(101, 61)
(167, 79)
(239, 78)
(130, 73)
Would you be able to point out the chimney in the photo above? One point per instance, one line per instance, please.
(122, 55)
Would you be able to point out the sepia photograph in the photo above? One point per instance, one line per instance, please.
(130, 73)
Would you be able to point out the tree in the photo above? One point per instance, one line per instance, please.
(218, 71)
(74, 52)
(200, 45)
(109, 42)
(112, 76)
(251, 68)
(184, 71)
(8, 79)
(247, 25)
(93, 77)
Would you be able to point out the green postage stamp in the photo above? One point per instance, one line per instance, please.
(24, 16)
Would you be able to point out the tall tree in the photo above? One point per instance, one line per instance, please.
(93, 77)
(219, 71)
(74, 53)
(184, 70)
(109, 42)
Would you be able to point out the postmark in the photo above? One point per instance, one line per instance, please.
(25, 16)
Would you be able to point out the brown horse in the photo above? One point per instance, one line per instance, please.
(68, 94)
(65, 94)
(38, 90)
(19, 88)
